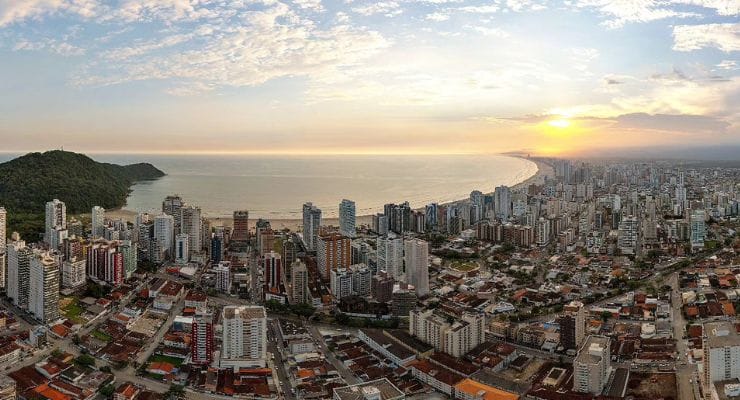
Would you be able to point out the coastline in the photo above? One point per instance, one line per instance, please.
(543, 169)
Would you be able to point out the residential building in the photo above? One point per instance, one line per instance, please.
(572, 325)
(447, 334)
(182, 248)
(43, 291)
(223, 276)
(240, 233)
(164, 237)
(244, 336)
(311, 225)
(19, 272)
(390, 256)
(333, 251)
(191, 224)
(299, 283)
(201, 341)
(273, 271)
(56, 220)
(698, 229)
(721, 352)
(98, 222)
(416, 259)
(347, 218)
(592, 365)
(73, 273)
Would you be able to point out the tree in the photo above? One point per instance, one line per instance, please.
(85, 360)
(108, 391)
(605, 315)
(175, 392)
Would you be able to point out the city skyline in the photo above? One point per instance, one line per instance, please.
(360, 77)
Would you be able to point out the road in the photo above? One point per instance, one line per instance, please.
(686, 375)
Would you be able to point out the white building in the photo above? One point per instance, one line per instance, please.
(73, 273)
(299, 283)
(56, 219)
(340, 283)
(244, 336)
(417, 265)
(456, 337)
(502, 202)
(98, 222)
(164, 237)
(390, 255)
(347, 218)
(721, 352)
(592, 365)
(311, 225)
(43, 290)
(223, 276)
(627, 238)
(19, 270)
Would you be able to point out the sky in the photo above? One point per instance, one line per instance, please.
(567, 77)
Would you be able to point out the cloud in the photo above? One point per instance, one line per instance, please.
(314, 5)
(437, 16)
(725, 37)
(13, 11)
(672, 123)
(722, 7)
(387, 8)
(622, 12)
(728, 65)
(55, 46)
(495, 32)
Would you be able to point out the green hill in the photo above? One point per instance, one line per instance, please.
(29, 181)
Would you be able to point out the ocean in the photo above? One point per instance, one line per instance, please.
(277, 186)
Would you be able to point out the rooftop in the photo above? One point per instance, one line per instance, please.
(721, 334)
(384, 387)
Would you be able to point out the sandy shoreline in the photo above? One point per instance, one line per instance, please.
(538, 178)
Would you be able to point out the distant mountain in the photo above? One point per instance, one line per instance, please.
(29, 181)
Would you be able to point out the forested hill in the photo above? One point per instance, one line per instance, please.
(29, 181)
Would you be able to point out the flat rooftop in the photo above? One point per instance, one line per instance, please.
(384, 387)
(721, 334)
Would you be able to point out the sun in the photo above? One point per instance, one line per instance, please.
(559, 123)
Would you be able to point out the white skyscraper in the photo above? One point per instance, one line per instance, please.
(74, 273)
(244, 336)
(43, 291)
(56, 220)
(347, 218)
(628, 232)
(592, 365)
(98, 222)
(417, 265)
(19, 269)
(390, 256)
(164, 235)
(223, 276)
(311, 225)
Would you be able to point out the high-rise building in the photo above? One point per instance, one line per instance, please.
(240, 233)
(19, 272)
(476, 206)
(191, 225)
(8, 390)
(456, 337)
(390, 256)
(130, 252)
(73, 273)
(56, 220)
(201, 340)
(416, 258)
(698, 229)
(381, 287)
(3, 247)
(628, 232)
(431, 211)
(361, 279)
(721, 353)
(182, 252)
(502, 202)
(380, 224)
(273, 271)
(43, 290)
(223, 276)
(340, 283)
(333, 251)
(299, 283)
(98, 222)
(572, 325)
(347, 218)
(217, 251)
(171, 206)
(592, 365)
(311, 225)
(164, 237)
(244, 336)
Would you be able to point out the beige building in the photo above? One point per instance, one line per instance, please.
(592, 365)
(455, 337)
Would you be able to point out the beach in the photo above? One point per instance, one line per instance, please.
(293, 224)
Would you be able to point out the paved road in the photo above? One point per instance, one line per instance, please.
(345, 372)
(685, 374)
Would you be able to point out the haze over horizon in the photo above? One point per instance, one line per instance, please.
(562, 78)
